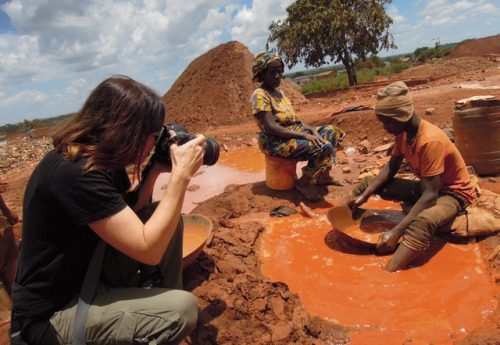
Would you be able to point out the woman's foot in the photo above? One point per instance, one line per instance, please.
(308, 191)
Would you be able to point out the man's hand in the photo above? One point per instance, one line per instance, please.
(388, 241)
(355, 202)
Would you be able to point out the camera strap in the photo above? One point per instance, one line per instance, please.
(87, 294)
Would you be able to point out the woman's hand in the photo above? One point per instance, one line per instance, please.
(388, 241)
(187, 158)
(316, 141)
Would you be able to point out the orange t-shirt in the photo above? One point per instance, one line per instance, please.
(432, 153)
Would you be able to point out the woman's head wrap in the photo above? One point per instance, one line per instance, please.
(261, 60)
(395, 101)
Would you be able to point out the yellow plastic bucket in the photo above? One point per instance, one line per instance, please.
(280, 173)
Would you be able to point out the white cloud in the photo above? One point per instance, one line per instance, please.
(27, 100)
(439, 13)
(61, 49)
(251, 23)
(397, 18)
(26, 97)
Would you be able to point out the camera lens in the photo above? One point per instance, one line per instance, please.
(211, 152)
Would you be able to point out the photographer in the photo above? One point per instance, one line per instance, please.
(76, 196)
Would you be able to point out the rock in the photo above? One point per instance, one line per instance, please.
(373, 172)
(349, 151)
(344, 161)
(365, 146)
(359, 159)
(346, 170)
(382, 148)
(252, 142)
(429, 111)
(281, 331)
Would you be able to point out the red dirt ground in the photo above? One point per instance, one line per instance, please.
(238, 305)
(477, 47)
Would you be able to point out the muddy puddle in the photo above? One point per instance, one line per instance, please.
(442, 300)
(245, 165)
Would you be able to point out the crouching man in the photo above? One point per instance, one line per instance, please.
(444, 189)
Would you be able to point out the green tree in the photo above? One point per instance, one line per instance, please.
(341, 30)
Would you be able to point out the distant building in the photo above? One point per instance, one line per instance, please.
(302, 79)
(325, 75)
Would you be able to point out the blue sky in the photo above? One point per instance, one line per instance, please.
(53, 52)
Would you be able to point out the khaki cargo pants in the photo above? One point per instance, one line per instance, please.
(438, 217)
(126, 310)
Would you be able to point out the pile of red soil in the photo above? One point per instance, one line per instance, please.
(477, 47)
(215, 89)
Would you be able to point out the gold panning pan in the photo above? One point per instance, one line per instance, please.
(363, 228)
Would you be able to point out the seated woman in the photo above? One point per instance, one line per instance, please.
(283, 134)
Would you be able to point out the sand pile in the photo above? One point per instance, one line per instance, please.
(215, 88)
(479, 47)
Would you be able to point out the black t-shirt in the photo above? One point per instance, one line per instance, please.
(57, 244)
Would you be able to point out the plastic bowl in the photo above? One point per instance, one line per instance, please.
(197, 230)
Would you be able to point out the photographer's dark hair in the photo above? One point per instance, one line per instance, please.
(113, 125)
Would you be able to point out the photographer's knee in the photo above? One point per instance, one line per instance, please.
(188, 309)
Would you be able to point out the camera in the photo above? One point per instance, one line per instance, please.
(162, 149)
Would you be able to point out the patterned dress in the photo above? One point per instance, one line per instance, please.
(319, 159)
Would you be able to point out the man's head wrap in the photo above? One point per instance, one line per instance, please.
(395, 101)
(261, 60)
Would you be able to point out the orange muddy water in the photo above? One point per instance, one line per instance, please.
(240, 166)
(438, 302)
(194, 236)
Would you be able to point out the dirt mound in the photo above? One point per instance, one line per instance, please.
(215, 89)
(477, 47)
(443, 68)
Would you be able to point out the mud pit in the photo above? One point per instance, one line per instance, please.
(286, 280)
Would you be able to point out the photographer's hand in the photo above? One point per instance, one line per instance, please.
(187, 158)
